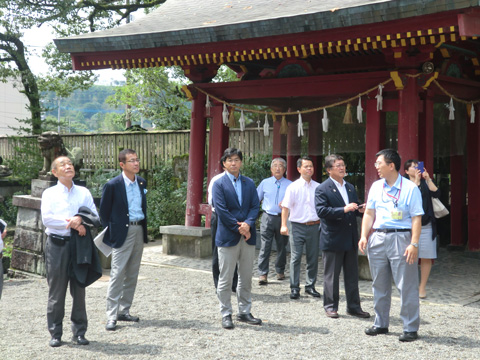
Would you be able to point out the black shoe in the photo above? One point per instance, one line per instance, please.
(295, 294)
(111, 325)
(374, 331)
(80, 340)
(359, 313)
(55, 342)
(249, 319)
(227, 322)
(408, 336)
(312, 291)
(127, 317)
(332, 314)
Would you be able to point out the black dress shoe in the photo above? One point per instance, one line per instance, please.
(331, 314)
(127, 317)
(55, 342)
(312, 291)
(295, 294)
(80, 340)
(374, 331)
(227, 322)
(360, 314)
(111, 325)
(249, 319)
(408, 336)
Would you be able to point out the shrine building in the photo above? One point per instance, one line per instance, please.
(297, 59)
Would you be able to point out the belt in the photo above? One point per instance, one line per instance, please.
(136, 222)
(312, 223)
(59, 237)
(273, 214)
(392, 230)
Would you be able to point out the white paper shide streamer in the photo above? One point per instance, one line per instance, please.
(300, 125)
(359, 110)
(266, 126)
(208, 105)
(451, 110)
(225, 115)
(379, 97)
(242, 122)
(325, 120)
(472, 114)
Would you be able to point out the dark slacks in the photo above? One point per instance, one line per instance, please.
(57, 261)
(333, 262)
(215, 264)
(308, 236)
(270, 230)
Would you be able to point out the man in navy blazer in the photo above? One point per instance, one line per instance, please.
(236, 204)
(123, 208)
(337, 205)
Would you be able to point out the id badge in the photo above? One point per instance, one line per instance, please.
(397, 214)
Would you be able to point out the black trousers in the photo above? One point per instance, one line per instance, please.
(215, 266)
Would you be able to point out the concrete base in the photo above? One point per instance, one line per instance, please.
(363, 267)
(191, 241)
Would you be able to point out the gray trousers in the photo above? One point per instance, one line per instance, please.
(333, 262)
(385, 254)
(241, 255)
(1, 276)
(308, 235)
(269, 230)
(57, 261)
(124, 273)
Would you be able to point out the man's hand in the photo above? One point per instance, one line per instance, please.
(243, 228)
(4, 233)
(411, 252)
(284, 230)
(350, 207)
(76, 224)
(362, 244)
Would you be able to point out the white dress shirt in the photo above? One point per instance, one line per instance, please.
(300, 200)
(210, 188)
(342, 189)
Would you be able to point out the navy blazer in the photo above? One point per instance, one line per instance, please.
(229, 210)
(338, 229)
(114, 210)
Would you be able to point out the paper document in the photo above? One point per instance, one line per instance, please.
(104, 248)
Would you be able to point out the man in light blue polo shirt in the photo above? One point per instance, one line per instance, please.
(394, 209)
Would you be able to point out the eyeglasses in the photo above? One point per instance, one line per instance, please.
(133, 161)
(340, 166)
(230, 160)
(378, 164)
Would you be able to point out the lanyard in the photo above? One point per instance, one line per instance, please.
(393, 197)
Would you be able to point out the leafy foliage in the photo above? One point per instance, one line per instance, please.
(257, 168)
(8, 212)
(98, 179)
(27, 161)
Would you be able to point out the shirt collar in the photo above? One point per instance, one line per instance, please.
(337, 183)
(64, 188)
(231, 177)
(127, 180)
(396, 185)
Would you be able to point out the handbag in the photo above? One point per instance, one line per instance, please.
(439, 209)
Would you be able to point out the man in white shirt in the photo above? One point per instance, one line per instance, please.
(60, 204)
(299, 202)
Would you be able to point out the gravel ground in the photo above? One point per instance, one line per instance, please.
(180, 320)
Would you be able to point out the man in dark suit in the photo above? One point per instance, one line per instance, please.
(236, 204)
(123, 208)
(337, 205)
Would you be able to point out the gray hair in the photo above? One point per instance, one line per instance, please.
(280, 160)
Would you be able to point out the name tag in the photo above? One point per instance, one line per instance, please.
(397, 214)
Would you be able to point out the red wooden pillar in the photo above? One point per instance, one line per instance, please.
(315, 143)
(279, 146)
(473, 173)
(457, 187)
(217, 143)
(196, 162)
(425, 134)
(374, 141)
(294, 146)
(408, 121)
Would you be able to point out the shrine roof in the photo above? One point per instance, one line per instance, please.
(187, 22)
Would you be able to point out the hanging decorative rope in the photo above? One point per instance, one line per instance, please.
(325, 120)
(284, 125)
(359, 111)
(266, 126)
(242, 121)
(300, 125)
(472, 113)
(208, 105)
(231, 118)
(379, 97)
(347, 119)
(451, 110)
(225, 114)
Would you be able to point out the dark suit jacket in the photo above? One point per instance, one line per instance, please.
(229, 211)
(338, 229)
(114, 210)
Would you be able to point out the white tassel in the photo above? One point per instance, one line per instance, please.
(300, 125)
(266, 126)
(451, 109)
(325, 120)
(258, 125)
(225, 115)
(359, 110)
(208, 105)
(472, 114)
(242, 122)
(379, 97)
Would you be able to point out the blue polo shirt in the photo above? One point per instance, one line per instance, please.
(272, 191)
(403, 196)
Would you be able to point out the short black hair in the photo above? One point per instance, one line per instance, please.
(330, 160)
(409, 163)
(122, 155)
(229, 152)
(300, 161)
(391, 156)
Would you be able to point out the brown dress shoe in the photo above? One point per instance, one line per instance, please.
(359, 314)
(280, 276)
(331, 314)
(262, 280)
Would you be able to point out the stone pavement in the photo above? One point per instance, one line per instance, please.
(454, 279)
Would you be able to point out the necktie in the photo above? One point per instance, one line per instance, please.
(277, 182)
(236, 183)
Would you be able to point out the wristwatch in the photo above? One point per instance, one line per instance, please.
(414, 245)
